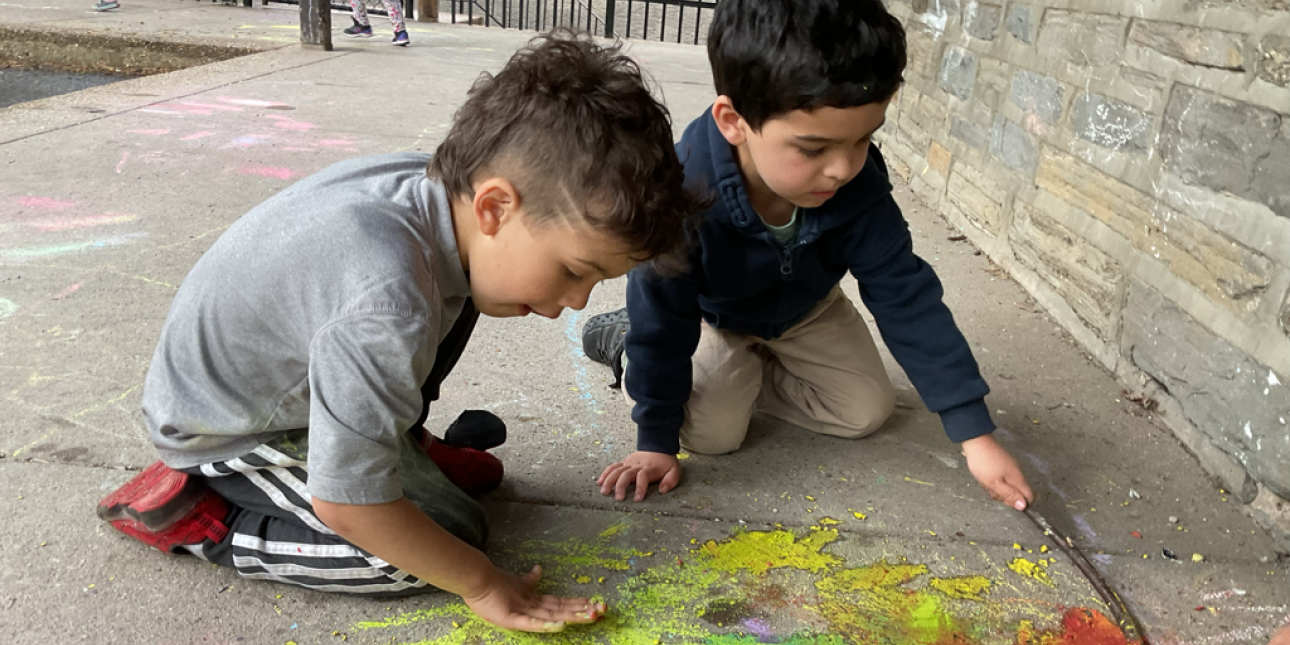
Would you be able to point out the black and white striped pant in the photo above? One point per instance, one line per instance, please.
(274, 533)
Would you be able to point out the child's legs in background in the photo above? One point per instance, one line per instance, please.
(274, 533)
(359, 12)
(395, 9)
(826, 375)
(392, 7)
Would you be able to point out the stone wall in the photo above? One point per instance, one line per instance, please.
(1129, 163)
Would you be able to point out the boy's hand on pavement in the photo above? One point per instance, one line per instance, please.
(641, 468)
(997, 472)
(1281, 637)
(511, 602)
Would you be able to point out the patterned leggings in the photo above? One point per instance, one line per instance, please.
(393, 7)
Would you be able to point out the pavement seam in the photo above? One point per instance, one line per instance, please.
(331, 56)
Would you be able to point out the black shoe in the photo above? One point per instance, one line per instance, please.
(476, 429)
(602, 341)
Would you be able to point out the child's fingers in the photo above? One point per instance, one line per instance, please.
(625, 478)
(671, 480)
(1010, 496)
(610, 477)
(642, 484)
(608, 472)
(573, 610)
(531, 578)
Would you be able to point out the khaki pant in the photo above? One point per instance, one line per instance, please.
(824, 374)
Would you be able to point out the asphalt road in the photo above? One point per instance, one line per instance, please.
(20, 85)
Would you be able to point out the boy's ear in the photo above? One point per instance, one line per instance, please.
(496, 202)
(732, 126)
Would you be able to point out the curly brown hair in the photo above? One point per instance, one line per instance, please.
(572, 124)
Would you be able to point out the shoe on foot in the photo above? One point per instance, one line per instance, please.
(602, 341)
(358, 30)
(106, 5)
(400, 39)
(166, 508)
(471, 469)
(478, 429)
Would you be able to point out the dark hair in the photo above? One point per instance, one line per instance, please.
(572, 124)
(772, 57)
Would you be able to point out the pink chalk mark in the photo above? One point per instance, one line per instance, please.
(249, 102)
(121, 164)
(44, 202)
(288, 123)
(198, 135)
(210, 106)
(295, 149)
(156, 132)
(68, 291)
(67, 224)
(272, 172)
(156, 111)
(336, 142)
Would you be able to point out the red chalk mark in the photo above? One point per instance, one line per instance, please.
(272, 172)
(1080, 626)
(288, 123)
(68, 291)
(155, 132)
(121, 164)
(1136, 534)
(197, 135)
(44, 202)
(67, 224)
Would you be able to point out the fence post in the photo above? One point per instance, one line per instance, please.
(315, 24)
(427, 10)
(609, 18)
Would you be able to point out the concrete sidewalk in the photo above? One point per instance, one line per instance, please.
(109, 195)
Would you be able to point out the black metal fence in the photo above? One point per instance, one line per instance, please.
(664, 20)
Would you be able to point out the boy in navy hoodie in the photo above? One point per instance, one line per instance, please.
(801, 197)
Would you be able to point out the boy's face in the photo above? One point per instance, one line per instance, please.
(802, 157)
(524, 267)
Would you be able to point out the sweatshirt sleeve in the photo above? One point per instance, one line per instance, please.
(664, 332)
(905, 297)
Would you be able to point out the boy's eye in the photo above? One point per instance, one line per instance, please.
(571, 275)
(811, 153)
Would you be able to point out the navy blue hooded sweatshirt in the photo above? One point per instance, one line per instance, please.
(741, 280)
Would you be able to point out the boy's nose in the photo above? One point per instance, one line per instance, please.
(576, 300)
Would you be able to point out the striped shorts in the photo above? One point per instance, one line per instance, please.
(275, 535)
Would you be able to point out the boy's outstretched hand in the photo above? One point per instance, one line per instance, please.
(512, 602)
(997, 471)
(640, 468)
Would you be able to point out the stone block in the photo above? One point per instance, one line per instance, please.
(1239, 403)
(982, 20)
(992, 78)
(921, 48)
(1038, 95)
(976, 197)
(973, 135)
(1020, 24)
(929, 114)
(1215, 142)
(1110, 123)
(1205, 47)
(1274, 60)
(958, 72)
(938, 159)
(1273, 513)
(1089, 280)
(1013, 146)
(1148, 88)
(1227, 272)
(1087, 39)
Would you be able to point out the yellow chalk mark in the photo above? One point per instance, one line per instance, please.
(1024, 567)
(760, 551)
(965, 588)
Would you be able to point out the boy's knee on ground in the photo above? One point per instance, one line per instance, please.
(714, 443)
(865, 418)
